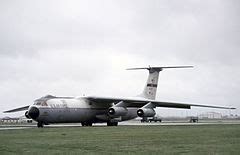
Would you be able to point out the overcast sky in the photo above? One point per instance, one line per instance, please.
(71, 48)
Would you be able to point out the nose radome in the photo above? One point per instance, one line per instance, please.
(33, 112)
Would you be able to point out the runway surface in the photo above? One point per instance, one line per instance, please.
(14, 128)
(130, 123)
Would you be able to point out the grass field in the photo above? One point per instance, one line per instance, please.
(197, 139)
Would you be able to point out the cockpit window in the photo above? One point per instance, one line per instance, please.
(43, 100)
(37, 103)
(42, 103)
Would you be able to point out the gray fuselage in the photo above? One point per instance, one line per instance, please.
(72, 110)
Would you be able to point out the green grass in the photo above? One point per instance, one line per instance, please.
(197, 139)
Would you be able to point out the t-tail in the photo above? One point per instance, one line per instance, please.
(150, 88)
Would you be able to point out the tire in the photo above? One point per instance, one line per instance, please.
(86, 123)
(89, 124)
(40, 125)
(112, 123)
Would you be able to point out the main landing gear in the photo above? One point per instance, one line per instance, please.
(112, 123)
(86, 123)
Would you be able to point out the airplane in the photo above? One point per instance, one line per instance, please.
(93, 109)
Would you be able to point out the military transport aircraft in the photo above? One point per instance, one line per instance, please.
(93, 109)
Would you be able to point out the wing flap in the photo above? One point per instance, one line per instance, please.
(172, 105)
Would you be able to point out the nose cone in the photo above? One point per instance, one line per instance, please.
(33, 112)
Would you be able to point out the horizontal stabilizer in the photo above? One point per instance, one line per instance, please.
(159, 68)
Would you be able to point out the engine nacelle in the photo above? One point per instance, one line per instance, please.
(146, 112)
(117, 111)
(26, 114)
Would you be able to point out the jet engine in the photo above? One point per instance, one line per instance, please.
(26, 114)
(117, 111)
(146, 112)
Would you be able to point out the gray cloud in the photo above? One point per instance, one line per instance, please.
(77, 47)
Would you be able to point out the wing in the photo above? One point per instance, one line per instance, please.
(17, 109)
(186, 105)
(140, 102)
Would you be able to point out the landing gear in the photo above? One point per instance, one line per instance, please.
(40, 125)
(86, 123)
(112, 123)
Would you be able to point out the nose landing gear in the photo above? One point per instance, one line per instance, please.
(40, 124)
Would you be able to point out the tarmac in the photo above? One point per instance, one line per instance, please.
(127, 123)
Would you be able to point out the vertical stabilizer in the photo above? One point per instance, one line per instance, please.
(150, 88)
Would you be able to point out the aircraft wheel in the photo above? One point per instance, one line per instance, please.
(86, 123)
(83, 123)
(40, 125)
(112, 123)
